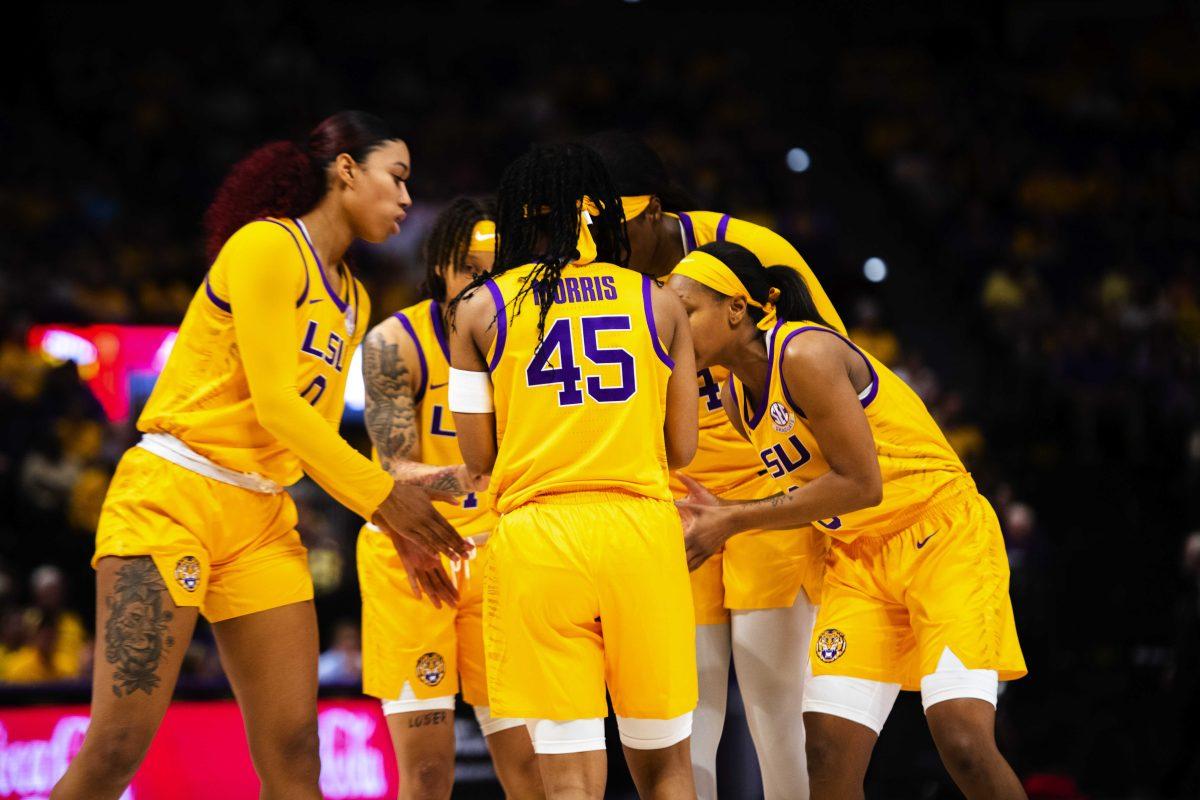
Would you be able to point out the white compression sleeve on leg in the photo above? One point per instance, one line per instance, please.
(553, 737)
(770, 653)
(708, 720)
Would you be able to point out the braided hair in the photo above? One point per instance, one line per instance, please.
(445, 250)
(538, 219)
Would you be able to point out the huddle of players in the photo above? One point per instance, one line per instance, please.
(551, 352)
(543, 483)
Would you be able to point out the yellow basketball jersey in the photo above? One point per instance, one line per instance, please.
(915, 459)
(723, 459)
(439, 443)
(202, 396)
(585, 410)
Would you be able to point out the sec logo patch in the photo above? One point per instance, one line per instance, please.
(831, 643)
(781, 418)
(187, 572)
(431, 668)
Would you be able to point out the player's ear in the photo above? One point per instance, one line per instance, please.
(345, 169)
(654, 211)
(736, 311)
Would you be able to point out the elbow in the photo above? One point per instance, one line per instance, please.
(871, 489)
(680, 455)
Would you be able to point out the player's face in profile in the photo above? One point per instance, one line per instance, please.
(380, 200)
(708, 316)
(474, 264)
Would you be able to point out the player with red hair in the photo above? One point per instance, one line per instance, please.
(196, 519)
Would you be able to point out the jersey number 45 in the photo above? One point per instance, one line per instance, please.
(559, 346)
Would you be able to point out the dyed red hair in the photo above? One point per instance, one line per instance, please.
(285, 179)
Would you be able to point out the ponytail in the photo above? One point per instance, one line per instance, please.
(286, 179)
(276, 180)
(794, 302)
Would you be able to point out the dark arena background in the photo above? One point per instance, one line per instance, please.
(1002, 199)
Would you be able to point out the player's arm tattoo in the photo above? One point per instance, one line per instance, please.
(391, 417)
(135, 635)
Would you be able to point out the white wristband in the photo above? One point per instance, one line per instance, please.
(471, 392)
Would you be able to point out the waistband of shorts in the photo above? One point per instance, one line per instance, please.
(586, 497)
(172, 449)
(947, 494)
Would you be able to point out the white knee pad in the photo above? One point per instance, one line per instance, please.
(407, 702)
(489, 724)
(554, 737)
(654, 734)
(953, 681)
(856, 699)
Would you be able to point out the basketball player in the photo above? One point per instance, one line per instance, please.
(196, 519)
(418, 649)
(916, 588)
(571, 384)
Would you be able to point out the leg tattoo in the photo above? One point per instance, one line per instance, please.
(136, 632)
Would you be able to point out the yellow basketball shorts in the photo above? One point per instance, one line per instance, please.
(891, 605)
(227, 550)
(410, 642)
(756, 568)
(584, 590)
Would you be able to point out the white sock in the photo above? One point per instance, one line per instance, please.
(770, 652)
(712, 665)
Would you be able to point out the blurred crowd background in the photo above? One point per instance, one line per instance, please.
(1003, 202)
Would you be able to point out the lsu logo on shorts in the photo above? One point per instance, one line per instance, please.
(187, 572)
(431, 668)
(781, 418)
(830, 645)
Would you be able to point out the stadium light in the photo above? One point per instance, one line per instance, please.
(875, 270)
(798, 159)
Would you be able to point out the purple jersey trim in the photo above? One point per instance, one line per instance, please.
(874, 388)
(341, 304)
(649, 306)
(501, 325)
(734, 397)
(439, 330)
(218, 302)
(420, 395)
(761, 411)
(689, 232)
(721, 226)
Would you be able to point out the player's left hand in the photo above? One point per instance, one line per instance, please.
(426, 574)
(705, 530)
(697, 494)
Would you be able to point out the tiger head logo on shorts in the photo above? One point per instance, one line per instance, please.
(781, 418)
(187, 572)
(431, 668)
(831, 643)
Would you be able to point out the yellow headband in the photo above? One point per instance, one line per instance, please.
(483, 237)
(586, 245)
(635, 205)
(712, 272)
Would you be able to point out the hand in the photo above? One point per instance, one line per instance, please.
(426, 573)
(697, 494)
(705, 530)
(408, 512)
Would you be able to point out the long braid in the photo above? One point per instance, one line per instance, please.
(537, 220)
(449, 239)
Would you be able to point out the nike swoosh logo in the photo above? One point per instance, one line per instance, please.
(484, 237)
(436, 385)
(921, 543)
(310, 302)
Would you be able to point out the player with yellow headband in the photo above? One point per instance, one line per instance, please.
(196, 520)
(916, 589)
(572, 386)
(755, 598)
(418, 650)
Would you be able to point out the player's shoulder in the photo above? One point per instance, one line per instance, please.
(416, 313)
(805, 346)
(267, 232)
